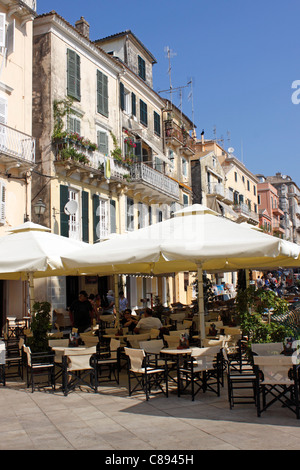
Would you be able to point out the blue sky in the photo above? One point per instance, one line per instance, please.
(242, 57)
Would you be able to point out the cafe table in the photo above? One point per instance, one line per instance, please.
(179, 354)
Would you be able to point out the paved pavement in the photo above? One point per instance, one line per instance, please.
(112, 421)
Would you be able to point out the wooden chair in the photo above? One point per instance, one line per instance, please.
(78, 366)
(277, 379)
(39, 365)
(146, 377)
(109, 361)
(202, 371)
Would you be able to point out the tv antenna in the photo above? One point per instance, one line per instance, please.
(170, 55)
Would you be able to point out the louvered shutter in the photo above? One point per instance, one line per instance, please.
(102, 93)
(122, 96)
(2, 202)
(96, 217)
(85, 216)
(2, 29)
(64, 218)
(73, 74)
(113, 222)
(102, 141)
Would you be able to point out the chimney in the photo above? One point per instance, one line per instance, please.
(83, 27)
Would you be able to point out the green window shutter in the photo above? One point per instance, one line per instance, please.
(113, 222)
(156, 123)
(85, 216)
(143, 113)
(96, 217)
(138, 151)
(102, 93)
(122, 96)
(74, 125)
(142, 68)
(133, 104)
(73, 74)
(102, 141)
(64, 218)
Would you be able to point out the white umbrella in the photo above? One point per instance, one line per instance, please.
(196, 239)
(32, 251)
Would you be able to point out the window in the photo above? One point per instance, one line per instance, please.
(185, 200)
(2, 202)
(113, 218)
(100, 218)
(127, 100)
(130, 214)
(73, 74)
(235, 176)
(74, 125)
(74, 227)
(184, 165)
(254, 190)
(143, 113)
(142, 68)
(102, 94)
(156, 123)
(248, 185)
(133, 104)
(102, 142)
(143, 215)
(258, 199)
(159, 216)
(69, 224)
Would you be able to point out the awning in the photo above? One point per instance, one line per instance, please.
(155, 149)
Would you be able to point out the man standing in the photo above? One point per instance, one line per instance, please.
(123, 302)
(81, 312)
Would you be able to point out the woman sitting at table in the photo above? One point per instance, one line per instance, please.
(127, 321)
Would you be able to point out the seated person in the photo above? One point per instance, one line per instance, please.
(127, 321)
(148, 322)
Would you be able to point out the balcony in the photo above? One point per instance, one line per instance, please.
(31, 4)
(153, 183)
(245, 213)
(218, 190)
(90, 163)
(16, 147)
(178, 137)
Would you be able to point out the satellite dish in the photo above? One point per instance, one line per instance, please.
(230, 150)
(71, 207)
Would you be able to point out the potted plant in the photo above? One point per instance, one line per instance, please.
(40, 325)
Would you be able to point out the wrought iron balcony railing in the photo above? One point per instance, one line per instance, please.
(14, 143)
(159, 181)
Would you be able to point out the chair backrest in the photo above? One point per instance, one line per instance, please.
(207, 343)
(178, 332)
(2, 352)
(154, 333)
(27, 351)
(136, 357)
(275, 369)
(89, 339)
(267, 349)
(111, 331)
(134, 340)
(58, 342)
(172, 341)
(114, 346)
(79, 358)
(153, 346)
(205, 357)
(232, 331)
(178, 316)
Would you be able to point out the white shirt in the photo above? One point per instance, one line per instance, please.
(147, 323)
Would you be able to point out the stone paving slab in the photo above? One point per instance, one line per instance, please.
(112, 421)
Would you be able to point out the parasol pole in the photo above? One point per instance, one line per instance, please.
(201, 310)
(31, 291)
(117, 299)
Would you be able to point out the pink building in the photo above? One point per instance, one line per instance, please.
(269, 211)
